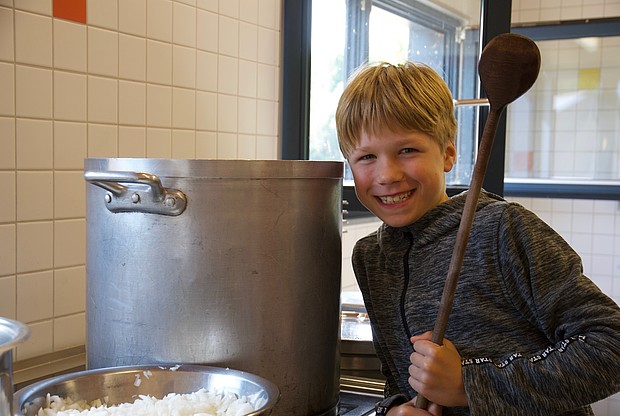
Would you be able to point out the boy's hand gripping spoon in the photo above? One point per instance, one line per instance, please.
(508, 67)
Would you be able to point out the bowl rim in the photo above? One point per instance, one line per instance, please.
(273, 392)
(16, 331)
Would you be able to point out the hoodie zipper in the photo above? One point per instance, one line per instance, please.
(403, 316)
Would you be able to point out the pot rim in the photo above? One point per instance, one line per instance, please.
(222, 168)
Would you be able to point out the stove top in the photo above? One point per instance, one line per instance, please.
(359, 395)
(357, 404)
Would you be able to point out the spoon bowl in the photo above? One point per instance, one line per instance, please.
(508, 67)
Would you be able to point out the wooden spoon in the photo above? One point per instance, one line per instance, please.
(508, 67)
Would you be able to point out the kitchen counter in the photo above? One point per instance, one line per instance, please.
(48, 365)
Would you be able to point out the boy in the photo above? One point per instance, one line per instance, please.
(528, 334)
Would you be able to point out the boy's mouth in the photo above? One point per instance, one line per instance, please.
(395, 199)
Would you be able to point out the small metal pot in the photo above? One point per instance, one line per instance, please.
(124, 384)
(11, 334)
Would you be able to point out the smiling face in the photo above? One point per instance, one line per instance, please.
(400, 175)
(399, 171)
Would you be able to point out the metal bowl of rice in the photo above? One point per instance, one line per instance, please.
(114, 389)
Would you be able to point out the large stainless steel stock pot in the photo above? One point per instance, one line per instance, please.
(231, 263)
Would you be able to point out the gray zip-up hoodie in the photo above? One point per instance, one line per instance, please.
(535, 335)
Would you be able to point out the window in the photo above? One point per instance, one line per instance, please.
(473, 24)
(393, 31)
(562, 135)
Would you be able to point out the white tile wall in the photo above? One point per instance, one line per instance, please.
(528, 11)
(33, 39)
(132, 17)
(70, 45)
(132, 57)
(156, 78)
(33, 92)
(7, 266)
(352, 231)
(207, 31)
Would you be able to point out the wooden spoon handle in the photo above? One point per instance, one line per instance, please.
(462, 236)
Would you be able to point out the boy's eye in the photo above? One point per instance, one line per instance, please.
(367, 157)
(408, 150)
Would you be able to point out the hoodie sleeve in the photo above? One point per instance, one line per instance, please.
(543, 277)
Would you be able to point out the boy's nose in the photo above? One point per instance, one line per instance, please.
(390, 173)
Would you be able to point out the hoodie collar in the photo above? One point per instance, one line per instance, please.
(434, 223)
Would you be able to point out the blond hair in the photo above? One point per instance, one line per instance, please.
(410, 96)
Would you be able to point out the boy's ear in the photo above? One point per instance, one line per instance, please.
(449, 157)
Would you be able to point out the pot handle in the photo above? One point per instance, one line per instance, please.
(137, 192)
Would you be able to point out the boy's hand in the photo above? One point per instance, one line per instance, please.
(435, 371)
(409, 409)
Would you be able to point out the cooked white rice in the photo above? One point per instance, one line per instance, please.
(199, 403)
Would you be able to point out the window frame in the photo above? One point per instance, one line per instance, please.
(295, 99)
(566, 189)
